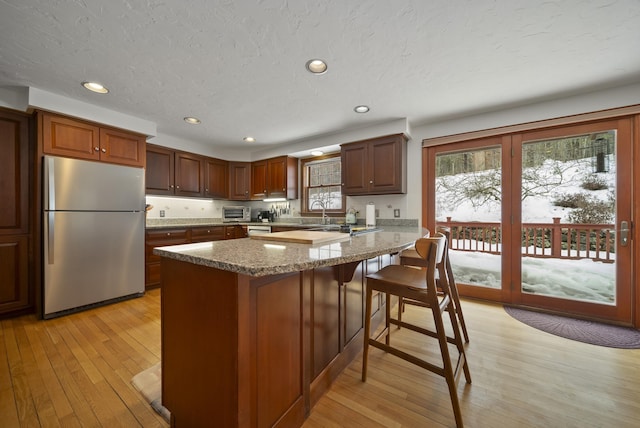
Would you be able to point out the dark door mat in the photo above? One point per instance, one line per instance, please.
(591, 332)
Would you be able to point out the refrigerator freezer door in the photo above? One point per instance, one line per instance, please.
(90, 257)
(79, 185)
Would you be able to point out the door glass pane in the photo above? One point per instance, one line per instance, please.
(568, 216)
(469, 201)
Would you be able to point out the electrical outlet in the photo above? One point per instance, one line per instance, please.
(161, 213)
(396, 213)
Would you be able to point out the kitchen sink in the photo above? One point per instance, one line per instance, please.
(353, 230)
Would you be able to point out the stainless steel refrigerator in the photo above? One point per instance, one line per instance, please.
(93, 227)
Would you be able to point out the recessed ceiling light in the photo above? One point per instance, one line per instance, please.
(361, 109)
(317, 153)
(316, 66)
(249, 139)
(95, 87)
(192, 120)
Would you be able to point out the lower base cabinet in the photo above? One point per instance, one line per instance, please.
(159, 238)
(14, 279)
(273, 346)
(162, 237)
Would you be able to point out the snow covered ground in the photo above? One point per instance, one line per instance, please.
(572, 279)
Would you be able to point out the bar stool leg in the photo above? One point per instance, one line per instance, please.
(367, 333)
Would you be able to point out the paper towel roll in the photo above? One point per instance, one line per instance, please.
(371, 215)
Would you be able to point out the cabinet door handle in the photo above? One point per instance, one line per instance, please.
(177, 187)
(97, 149)
(104, 150)
(370, 181)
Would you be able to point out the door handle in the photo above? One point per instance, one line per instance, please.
(624, 233)
(50, 233)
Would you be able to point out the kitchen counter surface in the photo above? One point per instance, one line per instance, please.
(167, 223)
(260, 258)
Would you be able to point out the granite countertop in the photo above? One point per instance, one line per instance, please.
(260, 258)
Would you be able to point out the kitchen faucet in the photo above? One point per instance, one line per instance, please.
(325, 218)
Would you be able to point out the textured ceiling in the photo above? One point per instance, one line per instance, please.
(239, 65)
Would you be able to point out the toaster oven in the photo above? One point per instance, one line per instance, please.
(236, 213)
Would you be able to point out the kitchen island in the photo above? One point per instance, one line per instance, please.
(254, 332)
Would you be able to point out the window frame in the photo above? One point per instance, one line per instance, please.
(304, 197)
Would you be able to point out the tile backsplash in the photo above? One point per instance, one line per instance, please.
(184, 208)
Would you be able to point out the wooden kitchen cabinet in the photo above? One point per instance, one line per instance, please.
(171, 172)
(208, 233)
(159, 174)
(235, 231)
(374, 167)
(16, 290)
(259, 180)
(189, 174)
(275, 178)
(14, 273)
(63, 136)
(177, 236)
(160, 238)
(216, 178)
(239, 181)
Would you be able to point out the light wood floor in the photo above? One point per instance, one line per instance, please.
(76, 371)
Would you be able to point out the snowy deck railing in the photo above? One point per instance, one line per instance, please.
(550, 240)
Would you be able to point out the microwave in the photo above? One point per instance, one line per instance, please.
(236, 213)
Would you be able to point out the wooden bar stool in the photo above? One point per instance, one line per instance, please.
(420, 285)
(410, 257)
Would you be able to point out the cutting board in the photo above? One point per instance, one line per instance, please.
(303, 236)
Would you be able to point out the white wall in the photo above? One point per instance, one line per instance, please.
(570, 105)
(410, 204)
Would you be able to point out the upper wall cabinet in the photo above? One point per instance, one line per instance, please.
(275, 178)
(375, 167)
(216, 178)
(171, 172)
(159, 175)
(239, 181)
(176, 173)
(189, 174)
(63, 136)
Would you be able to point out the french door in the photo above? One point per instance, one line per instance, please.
(539, 218)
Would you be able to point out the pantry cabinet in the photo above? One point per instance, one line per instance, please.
(374, 167)
(64, 136)
(16, 291)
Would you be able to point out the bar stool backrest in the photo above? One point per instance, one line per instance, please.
(423, 247)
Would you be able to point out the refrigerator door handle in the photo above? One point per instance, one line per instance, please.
(50, 203)
(50, 236)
